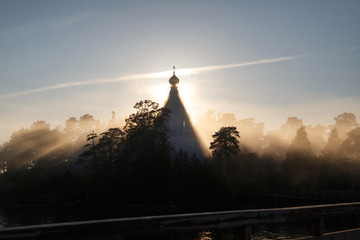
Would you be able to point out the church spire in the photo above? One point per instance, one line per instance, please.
(174, 80)
(180, 131)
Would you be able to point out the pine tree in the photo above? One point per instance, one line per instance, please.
(225, 142)
(330, 149)
(350, 148)
(300, 145)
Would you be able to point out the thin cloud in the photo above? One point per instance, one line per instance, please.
(353, 48)
(69, 21)
(244, 64)
(155, 75)
(42, 26)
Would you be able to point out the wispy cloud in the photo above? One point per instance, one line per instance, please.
(243, 64)
(155, 75)
(43, 26)
(353, 48)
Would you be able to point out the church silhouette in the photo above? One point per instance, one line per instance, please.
(181, 132)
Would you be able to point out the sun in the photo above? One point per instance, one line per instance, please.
(187, 93)
(160, 92)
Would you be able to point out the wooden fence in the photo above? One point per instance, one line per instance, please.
(240, 222)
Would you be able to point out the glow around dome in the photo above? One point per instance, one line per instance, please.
(174, 80)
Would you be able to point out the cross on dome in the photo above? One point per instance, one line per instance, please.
(174, 80)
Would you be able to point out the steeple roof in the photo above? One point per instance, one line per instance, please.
(181, 132)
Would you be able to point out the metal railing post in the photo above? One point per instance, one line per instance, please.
(317, 227)
(243, 233)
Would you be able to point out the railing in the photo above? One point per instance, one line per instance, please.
(240, 221)
(322, 195)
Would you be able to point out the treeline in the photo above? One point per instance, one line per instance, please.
(82, 164)
(275, 142)
(295, 155)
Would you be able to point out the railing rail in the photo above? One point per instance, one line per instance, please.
(138, 227)
(332, 195)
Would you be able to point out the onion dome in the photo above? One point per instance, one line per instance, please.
(174, 80)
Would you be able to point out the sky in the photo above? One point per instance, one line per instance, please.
(267, 60)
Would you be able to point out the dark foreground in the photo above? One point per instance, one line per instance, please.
(236, 223)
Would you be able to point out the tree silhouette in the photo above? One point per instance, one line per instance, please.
(100, 159)
(344, 123)
(252, 134)
(100, 156)
(225, 142)
(3, 167)
(30, 147)
(90, 156)
(350, 148)
(332, 145)
(299, 166)
(146, 142)
(110, 144)
(227, 119)
(288, 130)
(146, 130)
(300, 144)
(318, 137)
(72, 129)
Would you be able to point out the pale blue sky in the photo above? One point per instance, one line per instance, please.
(46, 43)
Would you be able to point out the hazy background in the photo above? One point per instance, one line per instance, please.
(47, 43)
